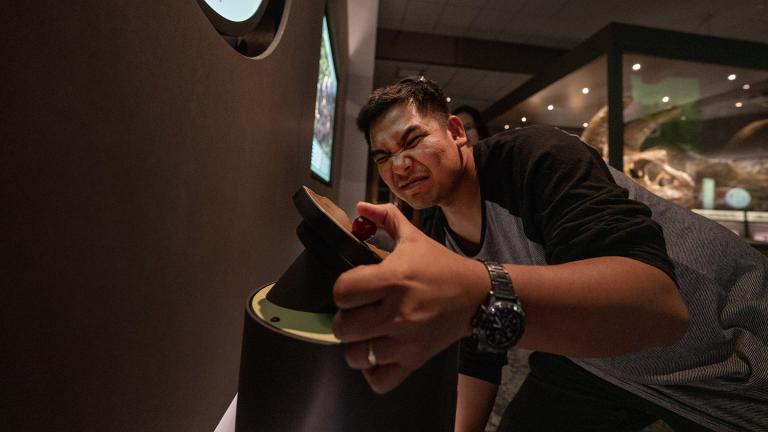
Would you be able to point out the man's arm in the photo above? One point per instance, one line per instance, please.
(474, 402)
(598, 307)
(423, 296)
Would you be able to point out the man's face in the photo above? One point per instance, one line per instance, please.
(418, 157)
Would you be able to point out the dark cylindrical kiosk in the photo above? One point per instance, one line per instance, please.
(293, 376)
(290, 384)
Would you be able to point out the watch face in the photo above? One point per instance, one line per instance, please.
(503, 324)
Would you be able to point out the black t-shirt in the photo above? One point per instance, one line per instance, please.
(549, 197)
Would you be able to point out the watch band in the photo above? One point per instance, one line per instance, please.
(501, 284)
(500, 322)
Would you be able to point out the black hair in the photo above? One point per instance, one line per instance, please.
(424, 93)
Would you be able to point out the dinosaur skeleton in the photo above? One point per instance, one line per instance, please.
(653, 169)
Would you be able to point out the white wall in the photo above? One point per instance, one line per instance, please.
(362, 17)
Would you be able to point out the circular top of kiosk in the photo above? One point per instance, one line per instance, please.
(308, 326)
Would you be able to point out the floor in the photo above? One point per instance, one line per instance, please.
(512, 376)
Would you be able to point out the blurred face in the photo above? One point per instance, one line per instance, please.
(418, 157)
(469, 127)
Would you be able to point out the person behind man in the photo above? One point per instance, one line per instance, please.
(474, 126)
(636, 309)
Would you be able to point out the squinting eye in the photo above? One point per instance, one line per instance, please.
(412, 143)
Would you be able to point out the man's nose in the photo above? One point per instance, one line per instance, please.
(401, 162)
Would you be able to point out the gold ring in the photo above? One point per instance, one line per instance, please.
(371, 356)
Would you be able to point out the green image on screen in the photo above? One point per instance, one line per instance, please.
(325, 104)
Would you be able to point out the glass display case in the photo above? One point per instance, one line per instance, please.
(684, 115)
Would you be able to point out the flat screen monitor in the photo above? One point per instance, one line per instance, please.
(321, 163)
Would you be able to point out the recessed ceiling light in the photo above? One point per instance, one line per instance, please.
(585, 90)
(665, 99)
(745, 86)
(636, 66)
(585, 124)
(523, 119)
(550, 107)
(731, 77)
(506, 127)
(448, 99)
(738, 104)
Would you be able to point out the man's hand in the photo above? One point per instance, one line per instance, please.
(410, 307)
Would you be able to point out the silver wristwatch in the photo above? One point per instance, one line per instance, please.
(500, 322)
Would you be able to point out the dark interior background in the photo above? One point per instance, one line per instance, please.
(146, 170)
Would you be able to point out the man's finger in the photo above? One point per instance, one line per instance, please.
(361, 323)
(360, 286)
(386, 216)
(386, 377)
(358, 354)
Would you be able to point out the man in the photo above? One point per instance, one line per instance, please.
(623, 331)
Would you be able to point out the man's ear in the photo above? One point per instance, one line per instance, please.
(456, 128)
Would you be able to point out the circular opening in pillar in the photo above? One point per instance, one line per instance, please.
(248, 26)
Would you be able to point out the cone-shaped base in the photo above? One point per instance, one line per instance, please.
(307, 286)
